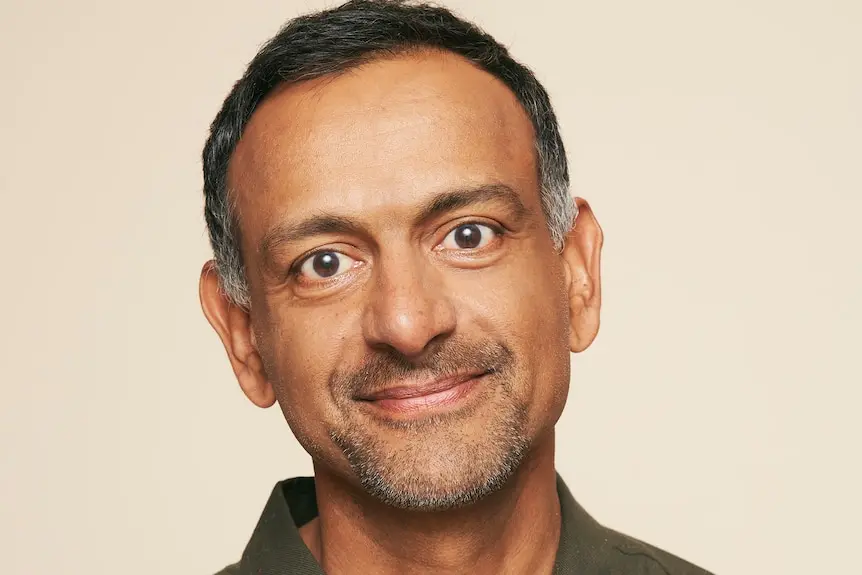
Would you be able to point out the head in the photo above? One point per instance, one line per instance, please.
(398, 260)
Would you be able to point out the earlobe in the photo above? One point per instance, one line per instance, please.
(582, 256)
(233, 326)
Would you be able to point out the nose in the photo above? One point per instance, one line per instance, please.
(407, 311)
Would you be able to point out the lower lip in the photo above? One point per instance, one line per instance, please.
(440, 399)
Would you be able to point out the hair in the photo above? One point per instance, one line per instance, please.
(335, 40)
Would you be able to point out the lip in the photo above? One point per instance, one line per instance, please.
(425, 394)
(420, 388)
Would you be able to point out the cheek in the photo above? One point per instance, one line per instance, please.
(528, 307)
(305, 348)
(527, 296)
(525, 302)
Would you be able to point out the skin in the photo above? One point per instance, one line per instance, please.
(374, 150)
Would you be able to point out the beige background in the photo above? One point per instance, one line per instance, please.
(720, 143)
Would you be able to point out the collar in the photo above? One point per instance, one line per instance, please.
(276, 546)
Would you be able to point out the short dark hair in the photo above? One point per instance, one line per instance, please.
(335, 40)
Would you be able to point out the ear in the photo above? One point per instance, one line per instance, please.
(233, 325)
(582, 260)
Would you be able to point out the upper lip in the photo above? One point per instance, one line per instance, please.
(421, 387)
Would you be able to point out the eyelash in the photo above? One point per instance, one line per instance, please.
(498, 229)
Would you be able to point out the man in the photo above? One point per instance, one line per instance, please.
(399, 264)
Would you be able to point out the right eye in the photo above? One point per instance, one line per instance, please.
(325, 265)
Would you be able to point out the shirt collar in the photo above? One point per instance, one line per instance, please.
(276, 546)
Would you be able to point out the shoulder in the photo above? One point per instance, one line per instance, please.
(587, 546)
(230, 570)
(648, 559)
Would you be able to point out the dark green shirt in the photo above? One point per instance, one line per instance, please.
(586, 548)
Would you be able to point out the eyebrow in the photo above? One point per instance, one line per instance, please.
(314, 226)
(462, 198)
(443, 203)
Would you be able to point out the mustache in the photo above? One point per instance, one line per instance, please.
(451, 358)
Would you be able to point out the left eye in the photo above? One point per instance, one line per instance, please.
(469, 237)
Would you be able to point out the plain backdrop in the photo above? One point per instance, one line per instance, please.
(716, 416)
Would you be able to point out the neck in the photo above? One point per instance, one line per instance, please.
(515, 530)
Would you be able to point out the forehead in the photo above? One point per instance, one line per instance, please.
(387, 134)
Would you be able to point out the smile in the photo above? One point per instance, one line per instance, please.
(406, 399)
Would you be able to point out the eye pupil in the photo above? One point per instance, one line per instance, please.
(468, 236)
(325, 264)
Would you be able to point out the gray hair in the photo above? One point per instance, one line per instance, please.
(335, 40)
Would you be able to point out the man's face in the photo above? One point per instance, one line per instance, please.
(408, 306)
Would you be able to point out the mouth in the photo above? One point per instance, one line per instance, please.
(424, 395)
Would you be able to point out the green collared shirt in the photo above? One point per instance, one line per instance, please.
(586, 547)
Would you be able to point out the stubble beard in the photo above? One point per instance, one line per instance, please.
(447, 461)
